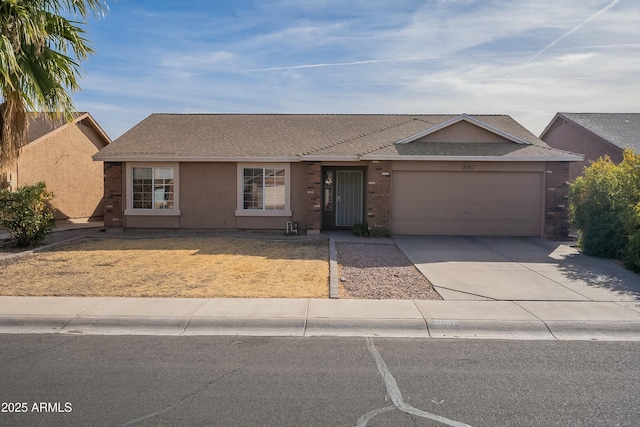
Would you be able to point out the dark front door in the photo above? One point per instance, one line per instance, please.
(342, 197)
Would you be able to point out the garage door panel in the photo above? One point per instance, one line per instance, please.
(479, 203)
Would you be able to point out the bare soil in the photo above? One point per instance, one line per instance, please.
(380, 271)
(183, 266)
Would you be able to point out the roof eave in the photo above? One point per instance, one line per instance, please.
(563, 158)
(95, 125)
(329, 158)
(551, 123)
(190, 159)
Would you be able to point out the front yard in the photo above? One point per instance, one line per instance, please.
(197, 267)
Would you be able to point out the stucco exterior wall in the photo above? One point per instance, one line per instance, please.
(566, 135)
(208, 195)
(207, 199)
(462, 132)
(63, 161)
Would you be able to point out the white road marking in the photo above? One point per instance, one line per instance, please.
(394, 393)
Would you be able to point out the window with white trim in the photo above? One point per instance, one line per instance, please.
(263, 189)
(152, 188)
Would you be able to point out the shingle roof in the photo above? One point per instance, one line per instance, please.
(41, 124)
(192, 137)
(620, 129)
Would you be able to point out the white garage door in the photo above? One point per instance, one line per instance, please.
(471, 203)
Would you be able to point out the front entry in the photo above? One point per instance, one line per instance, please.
(342, 197)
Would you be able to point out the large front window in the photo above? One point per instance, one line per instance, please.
(264, 189)
(152, 188)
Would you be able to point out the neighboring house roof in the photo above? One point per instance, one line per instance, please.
(41, 125)
(297, 137)
(619, 129)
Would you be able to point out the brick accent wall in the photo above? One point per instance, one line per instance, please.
(556, 225)
(113, 207)
(314, 197)
(379, 194)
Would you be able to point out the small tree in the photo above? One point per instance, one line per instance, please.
(27, 213)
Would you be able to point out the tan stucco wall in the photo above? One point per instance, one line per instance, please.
(63, 161)
(462, 132)
(568, 136)
(208, 200)
(207, 195)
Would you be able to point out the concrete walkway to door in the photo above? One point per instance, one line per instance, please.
(517, 269)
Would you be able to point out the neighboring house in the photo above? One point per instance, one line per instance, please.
(594, 135)
(60, 154)
(414, 174)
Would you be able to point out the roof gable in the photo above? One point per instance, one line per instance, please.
(457, 130)
(41, 127)
(619, 129)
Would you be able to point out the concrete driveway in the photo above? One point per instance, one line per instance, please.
(517, 269)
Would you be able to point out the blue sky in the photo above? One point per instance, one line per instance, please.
(526, 58)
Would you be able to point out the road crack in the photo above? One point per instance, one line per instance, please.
(187, 397)
(393, 391)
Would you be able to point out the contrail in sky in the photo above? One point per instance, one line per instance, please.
(568, 33)
(418, 58)
(340, 64)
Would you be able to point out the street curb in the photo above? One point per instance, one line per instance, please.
(32, 324)
(245, 326)
(126, 325)
(489, 329)
(350, 327)
(591, 330)
(315, 326)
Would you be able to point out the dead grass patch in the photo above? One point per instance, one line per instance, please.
(197, 267)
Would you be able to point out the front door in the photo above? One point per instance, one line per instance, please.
(342, 197)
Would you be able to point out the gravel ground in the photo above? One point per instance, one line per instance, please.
(380, 271)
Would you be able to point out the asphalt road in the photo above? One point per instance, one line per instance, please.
(245, 381)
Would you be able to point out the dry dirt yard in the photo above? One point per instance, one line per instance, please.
(198, 267)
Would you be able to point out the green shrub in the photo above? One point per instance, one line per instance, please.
(380, 231)
(604, 208)
(27, 213)
(360, 229)
(631, 257)
(363, 230)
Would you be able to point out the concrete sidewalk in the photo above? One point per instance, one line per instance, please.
(544, 320)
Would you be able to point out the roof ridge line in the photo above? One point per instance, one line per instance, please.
(359, 136)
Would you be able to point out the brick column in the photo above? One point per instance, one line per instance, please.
(314, 197)
(556, 224)
(113, 208)
(379, 194)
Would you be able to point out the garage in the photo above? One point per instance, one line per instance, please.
(474, 203)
